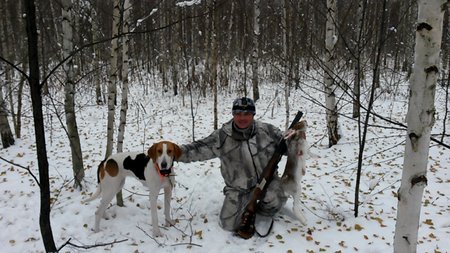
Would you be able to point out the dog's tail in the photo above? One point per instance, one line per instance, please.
(94, 196)
(99, 188)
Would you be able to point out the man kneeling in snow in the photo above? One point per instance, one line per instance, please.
(244, 147)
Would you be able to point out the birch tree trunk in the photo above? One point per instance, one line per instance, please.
(112, 87)
(330, 86)
(214, 56)
(5, 130)
(227, 57)
(69, 100)
(112, 82)
(96, 59)
(420, 120)
(243, 36)
(17, 116)
(16, 29)
(125, 68)
(255, 51)
(17, 120)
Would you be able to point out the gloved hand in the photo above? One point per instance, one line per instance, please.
(298, 130)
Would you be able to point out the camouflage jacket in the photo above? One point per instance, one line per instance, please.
(242, 161)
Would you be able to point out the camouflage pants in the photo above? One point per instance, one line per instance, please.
(236, 200)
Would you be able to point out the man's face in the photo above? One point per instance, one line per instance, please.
(243, 119)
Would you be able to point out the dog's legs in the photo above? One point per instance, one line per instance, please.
(154, 192)
(107, 196)
(167, 198)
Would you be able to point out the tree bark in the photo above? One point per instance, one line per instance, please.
(420, 119)
(112, 86)
(286, 77)
(255, 50)
(359, 59)
(125, 67)
(69, 90)
(36, 100)
(96, 60)
(214, 56)
(18, 115)
(330, 86)
(112, 82)
(5, 130)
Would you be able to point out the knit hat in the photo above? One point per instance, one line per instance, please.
(244, 105)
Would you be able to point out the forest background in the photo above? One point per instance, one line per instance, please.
(358, 52)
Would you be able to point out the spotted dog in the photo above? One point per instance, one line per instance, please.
(153, 169)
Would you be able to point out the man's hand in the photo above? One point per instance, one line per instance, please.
(298, 130)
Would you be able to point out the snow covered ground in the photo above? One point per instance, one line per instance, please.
(328, 184)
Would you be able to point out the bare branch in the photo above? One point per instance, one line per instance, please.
(91, 246)
(22, 167)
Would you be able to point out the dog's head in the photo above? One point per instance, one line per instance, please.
(164, 153)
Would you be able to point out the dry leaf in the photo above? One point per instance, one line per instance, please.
(429, 222)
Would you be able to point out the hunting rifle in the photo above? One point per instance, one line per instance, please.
(247, 226)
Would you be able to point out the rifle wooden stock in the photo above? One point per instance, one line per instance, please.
(247, 227)
(266, 179)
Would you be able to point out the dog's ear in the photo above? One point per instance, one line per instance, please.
(152, 152)
(177, 151)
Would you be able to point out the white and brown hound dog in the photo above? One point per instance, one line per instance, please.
(295, 169)
(152, 169)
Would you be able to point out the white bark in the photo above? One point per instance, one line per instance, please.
(330, 86)
(112, 82)
(255, 50)
(420, 120)
(69, 89)
(96, 60)
(125, 68)
(214, 62)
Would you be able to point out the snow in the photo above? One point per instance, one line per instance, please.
(328, 186)
(188, 3)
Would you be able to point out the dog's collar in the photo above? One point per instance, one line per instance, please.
(158, 170)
